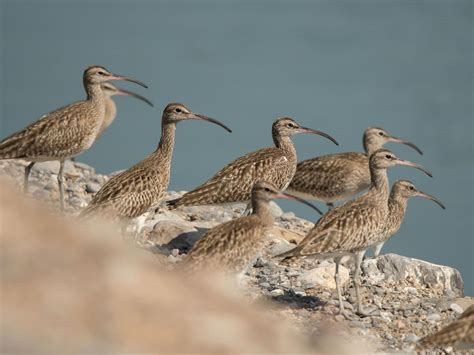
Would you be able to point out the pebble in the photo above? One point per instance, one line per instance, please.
(433, 318)
(456, 308)
(92, 187)
(277, 292)
(411, 338)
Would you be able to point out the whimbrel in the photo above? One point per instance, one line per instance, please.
(459, 332)
(131, 193)
(335, 177)
(232, 246)
(402, 190)
(349, 229)
(110, 107)
(66, 132)
(233, 183)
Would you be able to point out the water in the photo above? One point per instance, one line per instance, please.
(332, 65)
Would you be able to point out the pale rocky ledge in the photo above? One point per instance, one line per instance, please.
(410, 298)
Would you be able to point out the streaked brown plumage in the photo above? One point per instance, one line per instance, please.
(234, 182)
(402, 190)
(335, 177)
(232, 246)
(132, 192)
(65, 132)
(459, 331)
(110, 107)
(351, 228)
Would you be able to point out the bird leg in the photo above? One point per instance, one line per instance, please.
(60, 183)
(377, 249)
(27, 174)
(358, 260)
(337, 279)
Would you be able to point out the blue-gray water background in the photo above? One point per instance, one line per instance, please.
(338, 66)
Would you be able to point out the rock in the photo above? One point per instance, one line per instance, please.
(277, 292)
(396, 268)
(411, 338)
(456, 308)
(433, 318)
(324, 276)
(275, 209)
(52, 167)
(92, 187)
(174, 235)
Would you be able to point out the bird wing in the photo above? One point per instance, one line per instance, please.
(342, 229)
(225, 244)
(331, 175)
(57, 133)
(234, 182)
(128, 194)
(460, 330)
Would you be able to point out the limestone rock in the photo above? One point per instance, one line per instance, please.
(395, 268)
(324, 276)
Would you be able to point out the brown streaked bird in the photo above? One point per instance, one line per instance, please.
(232, 246)
(66, 132)
(110, 107)
(458, 333)
(131, 193)
(234, 182)
(349, 229)
(402, 190)
(336, 177)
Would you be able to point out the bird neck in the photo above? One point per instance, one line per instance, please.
(165, 147)
(380, 182)
(261, 208)
(94, 92)
(397, 203)
(284, 143)
(370, 147)
(110, 112)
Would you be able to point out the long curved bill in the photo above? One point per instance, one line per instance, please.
(132, 94)
(430, 197)
(401, 141)
(320, 133)
(291, 197)
(414, 165)
(126, 78)
(198, 116)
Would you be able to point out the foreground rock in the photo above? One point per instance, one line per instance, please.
(409, 298)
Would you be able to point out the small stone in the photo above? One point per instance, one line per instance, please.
(411, 338)
(92, 187)
(287, 215)
(175, 252)
(277, 292)
(456, 308)
(265, 285)
(433, 318)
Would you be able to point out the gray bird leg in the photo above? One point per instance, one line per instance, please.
(378, 249)
(358, 260)
(337, 279)
(27, 175)
(248, 210)
(60, 183)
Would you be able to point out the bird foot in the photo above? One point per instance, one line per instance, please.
(370, 312)
(346, 314)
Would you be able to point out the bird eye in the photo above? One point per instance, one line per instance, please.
(381, 133)
(267, 189)
(290, 125)
(178, 110)
(101, 73)
(388, 156)
(411, 188)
